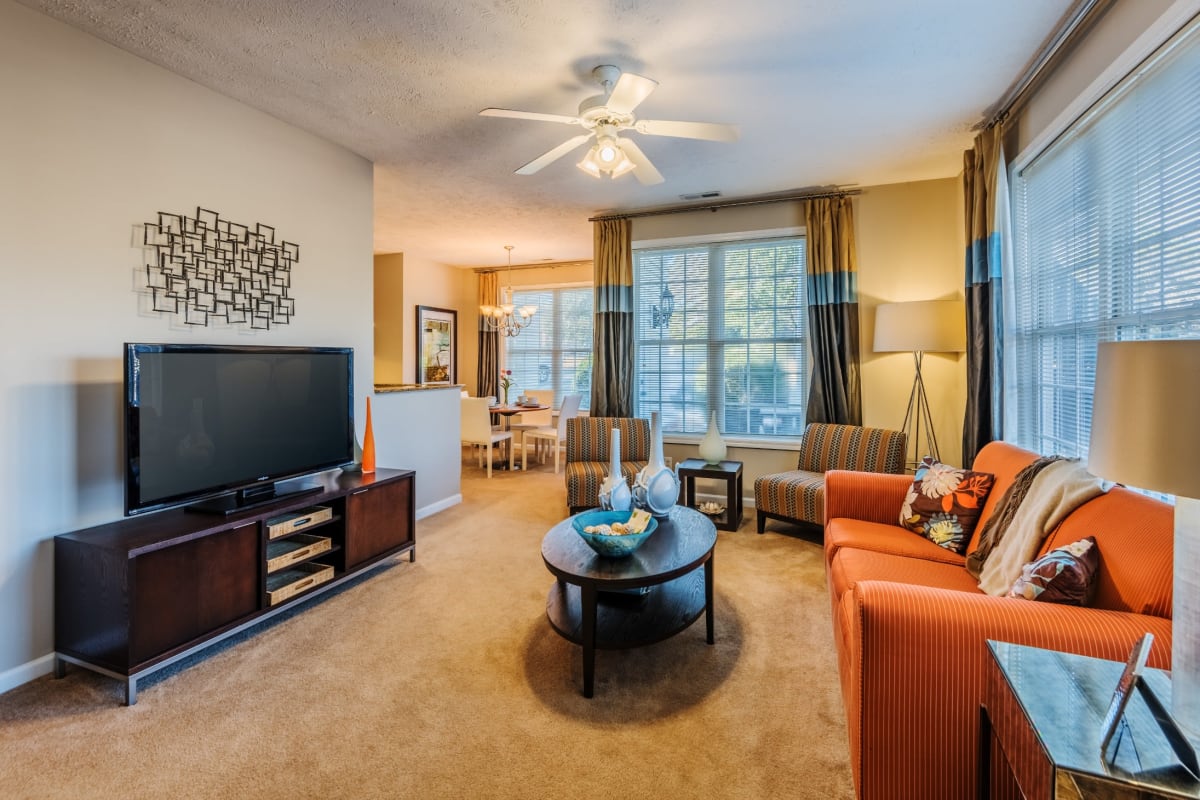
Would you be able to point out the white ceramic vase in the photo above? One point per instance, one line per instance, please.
(614, 492)
(712, 446)
(657, 486)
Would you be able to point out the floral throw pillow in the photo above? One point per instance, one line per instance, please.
(1064, 575)
(943, 504)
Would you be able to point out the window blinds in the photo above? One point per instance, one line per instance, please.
(735, 343)
(1107, 244)
(555, 351)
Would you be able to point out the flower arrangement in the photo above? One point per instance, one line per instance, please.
(506, 380)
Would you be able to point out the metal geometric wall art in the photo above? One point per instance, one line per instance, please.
(205, 267)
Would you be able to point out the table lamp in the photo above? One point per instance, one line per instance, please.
(919, 327)
(1146, 433)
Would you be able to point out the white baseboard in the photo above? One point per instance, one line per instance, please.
(24, 673)
(440, 505)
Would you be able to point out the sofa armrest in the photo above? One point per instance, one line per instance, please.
(869, 496)
(916, 657)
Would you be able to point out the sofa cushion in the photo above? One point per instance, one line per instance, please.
(798, 494)
(1003, 460)
(944, 503)
(1064, 575)
(881, 538)
(852, 565)
(584, 478)
(1135, 539)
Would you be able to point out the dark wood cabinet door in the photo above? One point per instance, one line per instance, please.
(378, 520)
(188, 590)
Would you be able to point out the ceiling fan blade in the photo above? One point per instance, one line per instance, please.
(643, 170)
(629, 92)
(506, 112)
(553, 155)
(710, 131)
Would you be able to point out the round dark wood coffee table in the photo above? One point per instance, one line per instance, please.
(618, 603)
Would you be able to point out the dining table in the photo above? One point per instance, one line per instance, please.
(506, 412)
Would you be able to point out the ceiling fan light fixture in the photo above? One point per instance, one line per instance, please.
(622, 166)
(590, 164)
(608, 151)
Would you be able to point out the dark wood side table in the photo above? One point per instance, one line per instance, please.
(1045, 710)
(728, 471)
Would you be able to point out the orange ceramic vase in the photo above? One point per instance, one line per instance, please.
(368, 456)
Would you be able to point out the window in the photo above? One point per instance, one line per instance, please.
(735, 343)
(555, 351)
(1107, 228)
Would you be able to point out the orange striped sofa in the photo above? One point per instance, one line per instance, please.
(588, 454)
(910, 625)
(797, 495)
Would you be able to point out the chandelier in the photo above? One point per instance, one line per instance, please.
(507, 319)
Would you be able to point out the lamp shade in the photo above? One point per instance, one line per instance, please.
(1146, 415)
(929, 326)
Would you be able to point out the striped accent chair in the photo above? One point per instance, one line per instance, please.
(799, 495)
(587, 455)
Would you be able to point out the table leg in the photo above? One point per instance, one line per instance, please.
(587, 599)
(983, 770)
(708, 597)
(733, 514)
(738, 494)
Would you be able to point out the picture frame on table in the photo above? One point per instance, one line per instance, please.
(437, 345)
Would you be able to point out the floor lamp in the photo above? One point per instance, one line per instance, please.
(1146, 433)
(920, 327)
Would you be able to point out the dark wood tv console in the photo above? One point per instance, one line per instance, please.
(133, 596)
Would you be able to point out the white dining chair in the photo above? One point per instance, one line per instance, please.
(531, 421)
(555, 435)
(477, 430)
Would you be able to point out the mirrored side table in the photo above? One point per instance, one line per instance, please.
(1045, 710)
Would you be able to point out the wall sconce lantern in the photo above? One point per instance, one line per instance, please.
(660, 315)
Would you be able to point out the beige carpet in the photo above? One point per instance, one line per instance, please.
(443, 679)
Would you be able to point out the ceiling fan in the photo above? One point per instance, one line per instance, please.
(605, 117)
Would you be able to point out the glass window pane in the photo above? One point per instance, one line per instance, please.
(735, 341)
(555, 351)
(1106, 245)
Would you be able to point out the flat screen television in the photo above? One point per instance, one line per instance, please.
(215, 427)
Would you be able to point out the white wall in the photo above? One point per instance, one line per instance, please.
(94, 141)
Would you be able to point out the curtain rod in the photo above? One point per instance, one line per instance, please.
(1071, 28)
(749, 201)
(547, 265)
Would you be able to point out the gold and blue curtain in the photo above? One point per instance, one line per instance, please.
(834, 394)
(487, 376)
(985, 190)
(612, 368)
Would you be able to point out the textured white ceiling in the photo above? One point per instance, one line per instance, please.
(825, 92)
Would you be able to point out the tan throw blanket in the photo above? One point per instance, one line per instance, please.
(997, 524)
(1056, 491)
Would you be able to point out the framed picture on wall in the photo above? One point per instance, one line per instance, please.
(437, 345)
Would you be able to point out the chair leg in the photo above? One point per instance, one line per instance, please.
(512, 455)
(489, 459)
(525, 451)
(762, 522)
(556, 452)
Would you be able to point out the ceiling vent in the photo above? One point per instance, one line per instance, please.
(700, 196)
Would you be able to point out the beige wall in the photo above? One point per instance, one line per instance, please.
(1117, 29)
(911, 246)
(389, 318)
(95, 141)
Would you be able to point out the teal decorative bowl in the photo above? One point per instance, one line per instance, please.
(613, 546)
